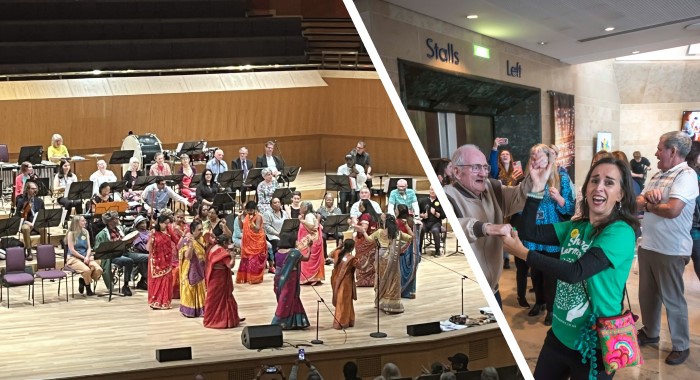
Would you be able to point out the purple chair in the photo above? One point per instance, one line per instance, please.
(46, 268)
(15, 275)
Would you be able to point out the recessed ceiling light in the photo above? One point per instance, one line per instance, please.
(635, 52)
(471, 17)
(96, 72)
(610, 29)
(542, 43)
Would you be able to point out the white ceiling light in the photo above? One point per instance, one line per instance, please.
(610, 29)
(542, 43)
(694, 49)
(472, 17)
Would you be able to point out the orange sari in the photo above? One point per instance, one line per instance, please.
(253, 254)
(344, 289)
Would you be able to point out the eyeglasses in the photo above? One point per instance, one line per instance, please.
(476, 168)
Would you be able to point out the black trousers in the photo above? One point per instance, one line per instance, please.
(521, 269)
(434, 228)
(556, 361)
(347, 198)
(545, 285)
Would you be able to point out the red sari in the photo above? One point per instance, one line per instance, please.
(253, 254)
(160, 272)
(176, 235)
(312, 271)
(366, 252)
(220, 308)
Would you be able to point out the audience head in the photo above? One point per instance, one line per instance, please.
(437, 368)
(599, 155)
(553, 180)
(432, 191)
(56, 140)
(459, 361)
(609, 195)
(448, 376)
(692, 157)
(672, 149)
(350, 371)
(390, 371)
(637, 155)
(243, 153)
(620, 155)
(489, 373)
(469, 168)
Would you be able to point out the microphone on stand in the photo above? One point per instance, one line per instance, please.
(320, 301)
(464, 277)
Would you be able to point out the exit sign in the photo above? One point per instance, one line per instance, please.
(482, 52)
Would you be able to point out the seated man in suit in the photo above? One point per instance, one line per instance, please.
(243, 163)
(28, 205)
(267, 160)
(113, 232)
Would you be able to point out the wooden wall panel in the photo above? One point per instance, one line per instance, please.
(314, 125)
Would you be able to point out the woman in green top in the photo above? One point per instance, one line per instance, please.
(597, 249)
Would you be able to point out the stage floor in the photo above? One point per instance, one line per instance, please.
(90, 335)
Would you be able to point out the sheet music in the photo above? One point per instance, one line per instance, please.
(179, 148)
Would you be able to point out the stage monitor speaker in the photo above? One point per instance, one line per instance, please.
(173, 354)
(263, 336)
(423, 329)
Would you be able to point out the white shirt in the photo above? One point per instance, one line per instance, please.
(355, 209)
(271, 163)
(345, 170)
(98, 179)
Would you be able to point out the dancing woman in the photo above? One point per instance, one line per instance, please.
(388, 272)
(410, 254)
(343, 283)
(311, 241)
(221, 307)
(366, 250)
(290, 312)
(253, 246)
(192, 263)
(160, 267)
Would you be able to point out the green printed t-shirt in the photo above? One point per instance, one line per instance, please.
(571, 306)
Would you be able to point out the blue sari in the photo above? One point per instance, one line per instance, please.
(409, 264)
(290, 312)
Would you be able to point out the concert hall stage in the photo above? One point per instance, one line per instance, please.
(91, 337)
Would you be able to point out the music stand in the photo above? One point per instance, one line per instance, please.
(43, 186)
(31, 154)
(290, 226)
(121, 157)
(9, 226)
(196, 179)
(109, 250)
(143, 182)
(175, 178)
(191, 148)
(231, 179)
(80, 190)
(336, 223)
(49, 218)
(338, 183)
(290, 173)
(254, 177)
(223, 201)
(284, 194)
(118, 186)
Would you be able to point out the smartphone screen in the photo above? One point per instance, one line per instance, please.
(518, 163)
(302, 354)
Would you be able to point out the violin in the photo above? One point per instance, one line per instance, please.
(27, 208)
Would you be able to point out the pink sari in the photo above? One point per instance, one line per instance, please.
(312, 271)
(160, 272)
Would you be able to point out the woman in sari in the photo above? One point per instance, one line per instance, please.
(388, 289)
(343, 283)
(221, 308)
(290, 312)
(177, 229)
(192, 263)
(366, 250)
(253, 246)
(310, 238)
(160, 265)
(410, 255)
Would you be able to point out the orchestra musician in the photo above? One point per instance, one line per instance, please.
(104, 195)
(57, 151)
(217, 165)
(157, 195)
(267, 160)
(362, 158)
(61, 184)
(26, 171)
(432, 217)
(113, 232)
(101, 176)
(130, 177)
(161, 168)
(206, 189)
(189, 171)
(243, 163)
(28, 204)
(357, 180)
(402, 195)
